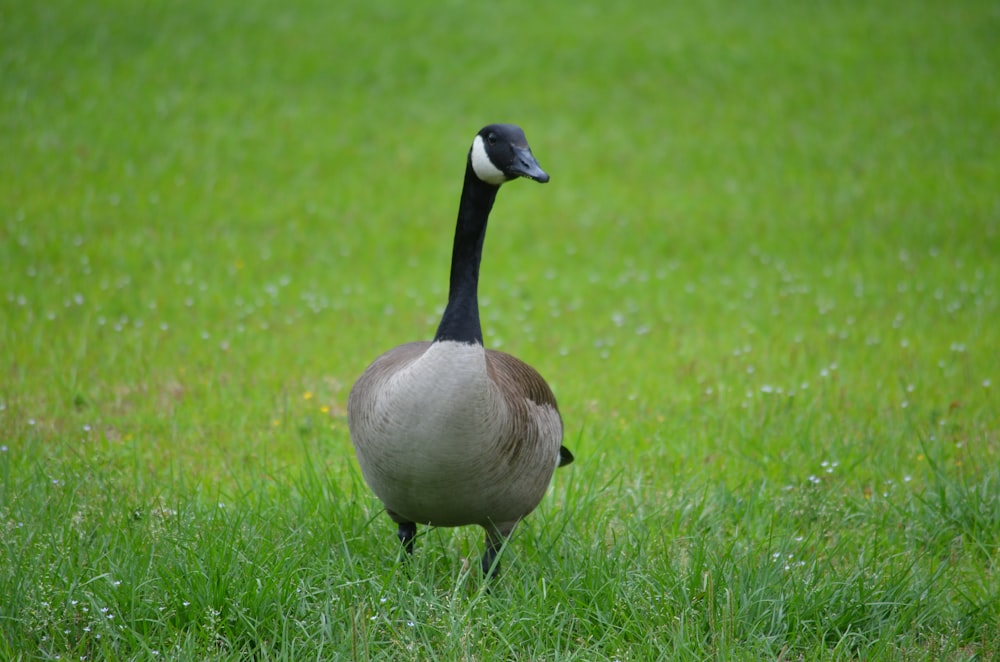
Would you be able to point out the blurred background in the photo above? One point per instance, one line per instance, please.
(213, 216)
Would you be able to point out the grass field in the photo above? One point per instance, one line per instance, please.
(764, 283)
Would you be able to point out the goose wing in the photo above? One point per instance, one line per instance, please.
(533, 403)
(365, 392)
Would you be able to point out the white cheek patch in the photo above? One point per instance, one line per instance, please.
(483, 166)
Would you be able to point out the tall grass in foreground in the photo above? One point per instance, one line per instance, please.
(762, 283)
(620, 570)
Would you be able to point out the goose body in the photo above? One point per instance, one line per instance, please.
(447, 432)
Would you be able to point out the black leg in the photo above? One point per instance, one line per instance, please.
(407, 532)
(491, 564)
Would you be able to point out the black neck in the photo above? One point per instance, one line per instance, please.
(460, 321)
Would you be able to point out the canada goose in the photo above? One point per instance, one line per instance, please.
(449, 433)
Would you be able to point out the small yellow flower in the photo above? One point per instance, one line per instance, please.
(307, 395)
(325, 409)
(275, 423)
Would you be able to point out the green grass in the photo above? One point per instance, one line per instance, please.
(763, 284)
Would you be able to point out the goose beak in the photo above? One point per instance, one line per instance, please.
(525, 165)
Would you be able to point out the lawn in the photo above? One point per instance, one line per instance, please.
(763, 283)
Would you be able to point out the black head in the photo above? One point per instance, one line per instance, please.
(500, 153)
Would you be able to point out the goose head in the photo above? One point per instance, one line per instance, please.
(500, 153)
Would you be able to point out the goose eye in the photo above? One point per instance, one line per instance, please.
(492, 139)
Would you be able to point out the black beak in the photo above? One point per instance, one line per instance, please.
(525, 165)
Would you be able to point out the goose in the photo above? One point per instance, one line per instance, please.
(448, 433)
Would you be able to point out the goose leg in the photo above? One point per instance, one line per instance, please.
(407, 532)
(496, 536)
(491, 566)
